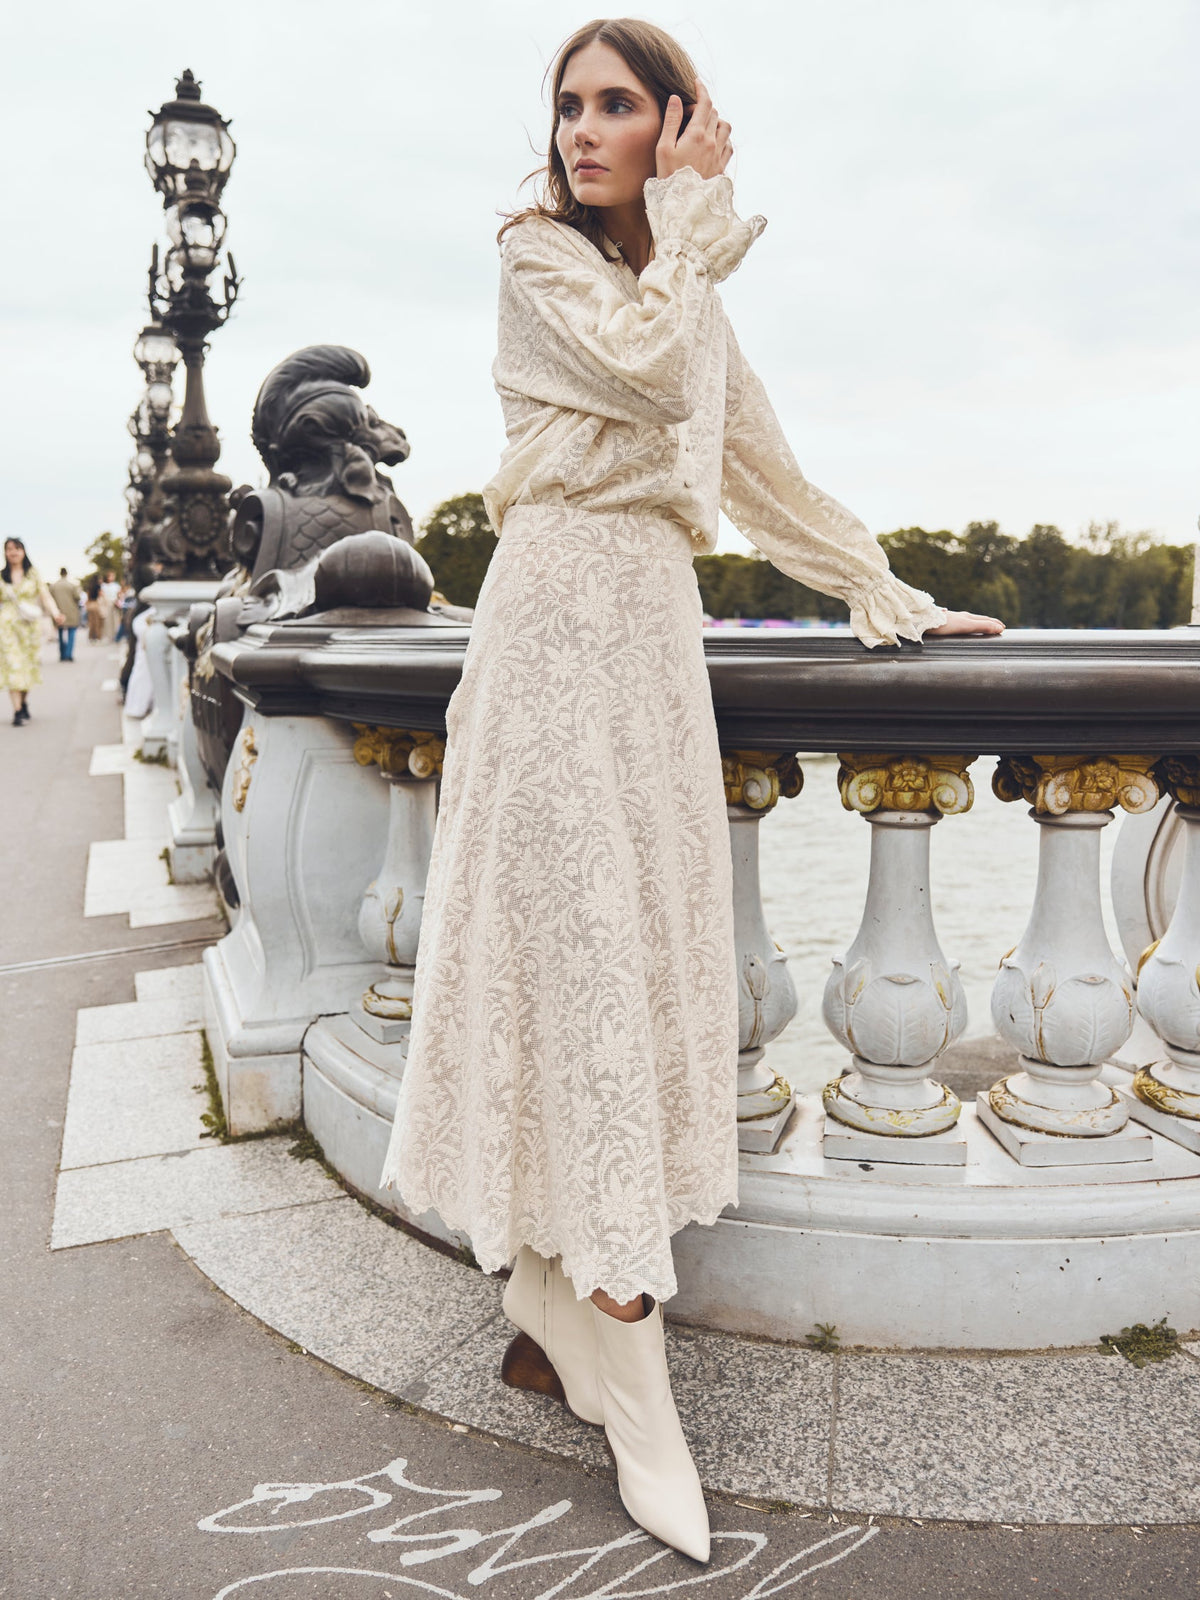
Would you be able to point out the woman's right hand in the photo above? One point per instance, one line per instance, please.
(962, 622)
(703, 145)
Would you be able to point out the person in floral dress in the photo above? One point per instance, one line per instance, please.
(23, 598)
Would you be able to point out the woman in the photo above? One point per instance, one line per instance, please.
(23, 598)
(569, 1094)
(95, 611)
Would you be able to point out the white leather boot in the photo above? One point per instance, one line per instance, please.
(555, 1351)
(659, 1484)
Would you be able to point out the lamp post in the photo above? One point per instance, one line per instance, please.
(156, 354)
(189, 154)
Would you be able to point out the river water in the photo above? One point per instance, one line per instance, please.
(814, 856)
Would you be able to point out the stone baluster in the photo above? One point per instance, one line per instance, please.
(893, 1000)
(1166, 1095)
(160, 720)
(754, 781)
(1062, 998)
(390, 920)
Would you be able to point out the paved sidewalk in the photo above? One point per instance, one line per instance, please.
(158, 1440)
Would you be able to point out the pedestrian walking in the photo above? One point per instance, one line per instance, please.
(66, 594)
(569, 1096)
(110, 590)
(95, 611)
(126, 600)
(23, 599)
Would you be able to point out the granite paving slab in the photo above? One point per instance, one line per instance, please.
(1065, 1438)
(173, 983)
(129, 876)
(145, 808)
(757, 1416)
(188, 902)
(139, 1019)
(117, 869)
(134, 1097)
(144, 1196)
(465, 1386)
(110, 760)
(347, 1287)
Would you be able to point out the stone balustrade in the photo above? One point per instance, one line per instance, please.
(884, 1205)
(168, 733)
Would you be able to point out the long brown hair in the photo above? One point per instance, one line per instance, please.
(6, 570)
(656, 59)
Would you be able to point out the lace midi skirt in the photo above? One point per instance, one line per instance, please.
(572, 1067)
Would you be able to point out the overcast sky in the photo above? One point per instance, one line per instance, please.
(976, 297)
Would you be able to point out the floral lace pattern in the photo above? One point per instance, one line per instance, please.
(572, 1065)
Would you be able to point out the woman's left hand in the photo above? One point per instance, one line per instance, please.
(966, 622)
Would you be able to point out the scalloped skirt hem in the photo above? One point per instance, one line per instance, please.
(586, 1276)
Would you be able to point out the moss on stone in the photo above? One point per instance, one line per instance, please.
(1141, 1343)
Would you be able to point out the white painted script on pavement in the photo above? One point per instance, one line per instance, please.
(577, 1569)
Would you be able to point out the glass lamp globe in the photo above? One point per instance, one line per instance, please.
(196, 229)
(188, 136)
(155, 347)
(174, 271)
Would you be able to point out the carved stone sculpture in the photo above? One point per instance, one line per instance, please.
(328, 534)
(323, 446)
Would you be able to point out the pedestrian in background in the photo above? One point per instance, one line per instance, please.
(95, 613)
(66, 595)
(23, 598)
(110, 591)
(126, 601)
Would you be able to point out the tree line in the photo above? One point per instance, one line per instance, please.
(1103, 579)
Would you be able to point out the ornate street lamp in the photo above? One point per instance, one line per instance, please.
(189, 154)
(156, 354)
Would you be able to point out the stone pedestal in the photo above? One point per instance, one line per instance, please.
(304, 830)
(170, 600)
(192, 814)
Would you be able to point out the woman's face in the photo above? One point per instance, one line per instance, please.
(13, 554)
(608, 126)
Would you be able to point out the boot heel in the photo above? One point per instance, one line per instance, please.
(525, 1366)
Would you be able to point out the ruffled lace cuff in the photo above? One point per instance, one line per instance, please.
(695, 215)
(886, 610)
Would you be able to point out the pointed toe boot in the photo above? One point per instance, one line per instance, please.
(555, 1351)
(659, 1484)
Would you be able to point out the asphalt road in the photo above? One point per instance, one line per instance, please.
(155, 1440)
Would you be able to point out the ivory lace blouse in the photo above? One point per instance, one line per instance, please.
(623, 393)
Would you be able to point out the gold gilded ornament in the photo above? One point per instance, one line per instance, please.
(757, 779)
(241, 775)
(399, 752)
(874, 781)
(1056, 785)
(1181, 775)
